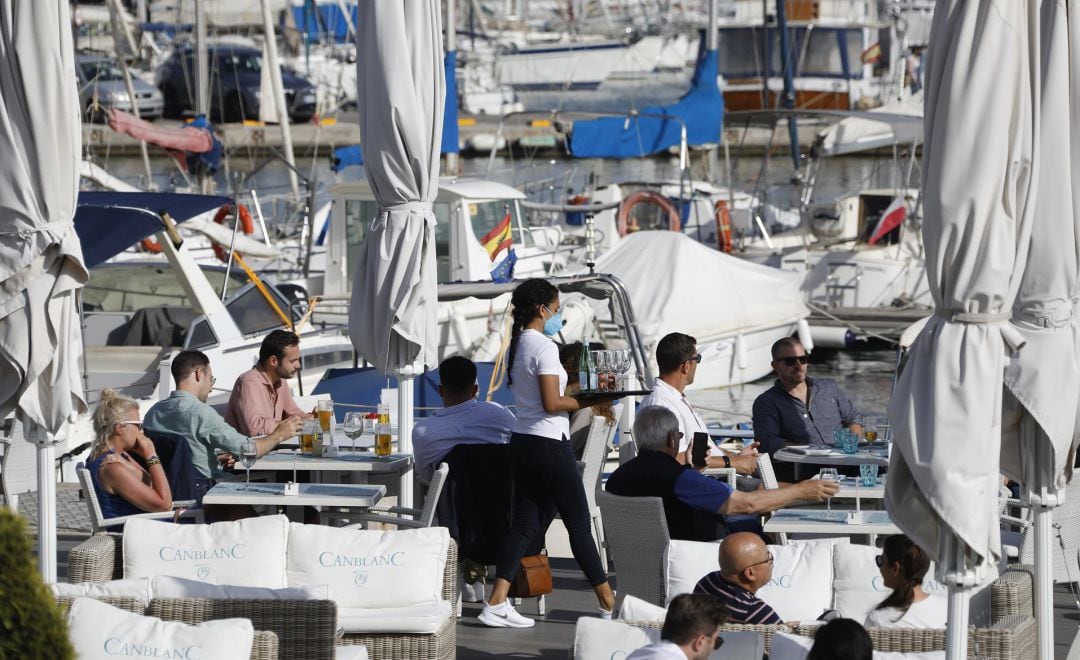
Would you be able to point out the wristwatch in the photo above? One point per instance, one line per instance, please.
(727, 461)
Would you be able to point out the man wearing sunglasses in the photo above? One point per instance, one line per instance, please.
(797, 409)
(677, 359)
(691, 630)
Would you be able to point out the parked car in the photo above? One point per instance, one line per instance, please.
(101, 80)
(235, 78)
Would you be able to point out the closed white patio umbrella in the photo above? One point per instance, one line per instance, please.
(1000, 233)
(41, 269)
(401, 88)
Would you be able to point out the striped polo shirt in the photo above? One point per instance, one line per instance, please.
(743, 606)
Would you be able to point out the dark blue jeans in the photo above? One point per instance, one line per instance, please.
(545, 471)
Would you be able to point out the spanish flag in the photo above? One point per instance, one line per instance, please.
(498, 239)
(872, 54)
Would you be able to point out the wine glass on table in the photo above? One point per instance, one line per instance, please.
(829, 474)
(248, 455)
(353, 425)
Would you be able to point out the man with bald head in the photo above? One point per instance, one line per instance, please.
(745, 566)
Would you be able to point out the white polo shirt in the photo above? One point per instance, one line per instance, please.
(690, 422)
(537, 356)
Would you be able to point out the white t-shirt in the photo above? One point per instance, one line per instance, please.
(537, 356)
(690, 422)
(661, 650)
(929, 613)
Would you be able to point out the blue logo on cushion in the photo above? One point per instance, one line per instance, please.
(333, 560)
(360, 579)
(169, 553)
(114, 646)
(782, 581)
(202, 571)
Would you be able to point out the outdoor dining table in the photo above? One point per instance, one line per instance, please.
(821, 521)
(346, 461)
(352, 496)
(832, 456)
(850, 488)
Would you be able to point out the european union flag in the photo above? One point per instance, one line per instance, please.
(504, 272)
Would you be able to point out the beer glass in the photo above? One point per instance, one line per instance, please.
(325, 409)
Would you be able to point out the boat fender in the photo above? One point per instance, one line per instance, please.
(151, 245)
(806, 335)
(831, 337)
(740, 352)
(246, 226)
(723, 227)
(623, 220)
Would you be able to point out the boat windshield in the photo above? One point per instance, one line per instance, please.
(486, 215)
(127, 288)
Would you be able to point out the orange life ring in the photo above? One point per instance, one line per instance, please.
(646, 197)
(246, 226)
(723, 227)
(151, 245)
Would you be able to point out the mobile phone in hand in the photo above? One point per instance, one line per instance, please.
(699, 451)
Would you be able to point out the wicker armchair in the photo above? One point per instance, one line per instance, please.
(307, 626)
(263, 647)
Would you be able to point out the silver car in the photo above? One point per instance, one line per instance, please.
(101, 80)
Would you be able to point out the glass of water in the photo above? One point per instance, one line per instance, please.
(248, 454)
(829, 474)
(353, 425)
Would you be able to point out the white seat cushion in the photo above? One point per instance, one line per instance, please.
(165, 586)
(350, 652)
(101, 631)
(597, 639)
(635, 609)
(688, 562)
(245, 553)
(138, 588)
(787, 646)
(858, 586)
(801, 588)
(370, 569)
(420, 619)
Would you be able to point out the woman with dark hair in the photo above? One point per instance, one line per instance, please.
(581, 420)
(841, 639)
(542, 459)
(903, 566)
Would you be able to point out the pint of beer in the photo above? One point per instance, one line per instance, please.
(382, 443)
(325, 409)
(307, 437)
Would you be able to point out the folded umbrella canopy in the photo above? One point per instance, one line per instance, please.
(393, 317)
(1000, 233)
(41, 270)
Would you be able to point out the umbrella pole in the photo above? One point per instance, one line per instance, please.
(46, 482)
(406, 383)
(1044, 581)
(956, 631)
(961, 576)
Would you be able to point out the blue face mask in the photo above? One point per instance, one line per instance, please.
(554, 324)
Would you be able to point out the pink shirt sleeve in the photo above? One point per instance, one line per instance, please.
(289, 407)
(250, 409)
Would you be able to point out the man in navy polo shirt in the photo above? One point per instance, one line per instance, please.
(745, 567)
(694, 504)
(797, 409)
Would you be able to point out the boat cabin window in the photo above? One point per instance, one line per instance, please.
(830, 52)
(486, 215)
(358, 215)
(253, 313)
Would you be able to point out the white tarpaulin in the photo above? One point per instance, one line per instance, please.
(692, 288)
(900, 123)
(41, 267)
(394, 312)
(999, 219)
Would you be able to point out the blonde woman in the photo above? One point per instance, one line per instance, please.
(123, 487)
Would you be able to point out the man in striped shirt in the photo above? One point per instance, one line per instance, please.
(745, 566)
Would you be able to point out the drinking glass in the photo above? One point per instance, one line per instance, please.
(600, 360)
(829, 474)
(353, 425)
(868, 475)
(248, 454)
(307, 436)
(623, 361)
(849, 442)
(325, 408)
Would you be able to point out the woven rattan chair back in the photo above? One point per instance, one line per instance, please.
(637, 536)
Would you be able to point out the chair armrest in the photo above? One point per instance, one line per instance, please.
(184, 504)
(729, 475)
(1019, 523)
(398, 510)
(389, 520)
(264, 646)
(96, 559)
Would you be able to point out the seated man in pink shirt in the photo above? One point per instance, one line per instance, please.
(261, 397)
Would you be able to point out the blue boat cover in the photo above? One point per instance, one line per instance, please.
(110, 222)
(316, 21)
(346, 156)
(701, 108)
(362, 387)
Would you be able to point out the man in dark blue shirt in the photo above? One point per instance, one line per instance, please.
(693, 503)
(745, 567)
(797, 409)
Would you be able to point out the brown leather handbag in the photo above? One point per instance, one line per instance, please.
(533, 578)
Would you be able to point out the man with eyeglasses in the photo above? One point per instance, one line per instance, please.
(186, 414)
(691, 630)
(696, 507)
(745, 567)
(797, 409)
(677, 359)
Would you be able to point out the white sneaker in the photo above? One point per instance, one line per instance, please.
(504, 615)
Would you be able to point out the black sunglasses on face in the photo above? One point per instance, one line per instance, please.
(790, 361)
(696, 357)
(880, 559)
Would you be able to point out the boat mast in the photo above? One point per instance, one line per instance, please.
(451, 46)
(202, 79)
(279, 95)
(712, 43)
(788, 99)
